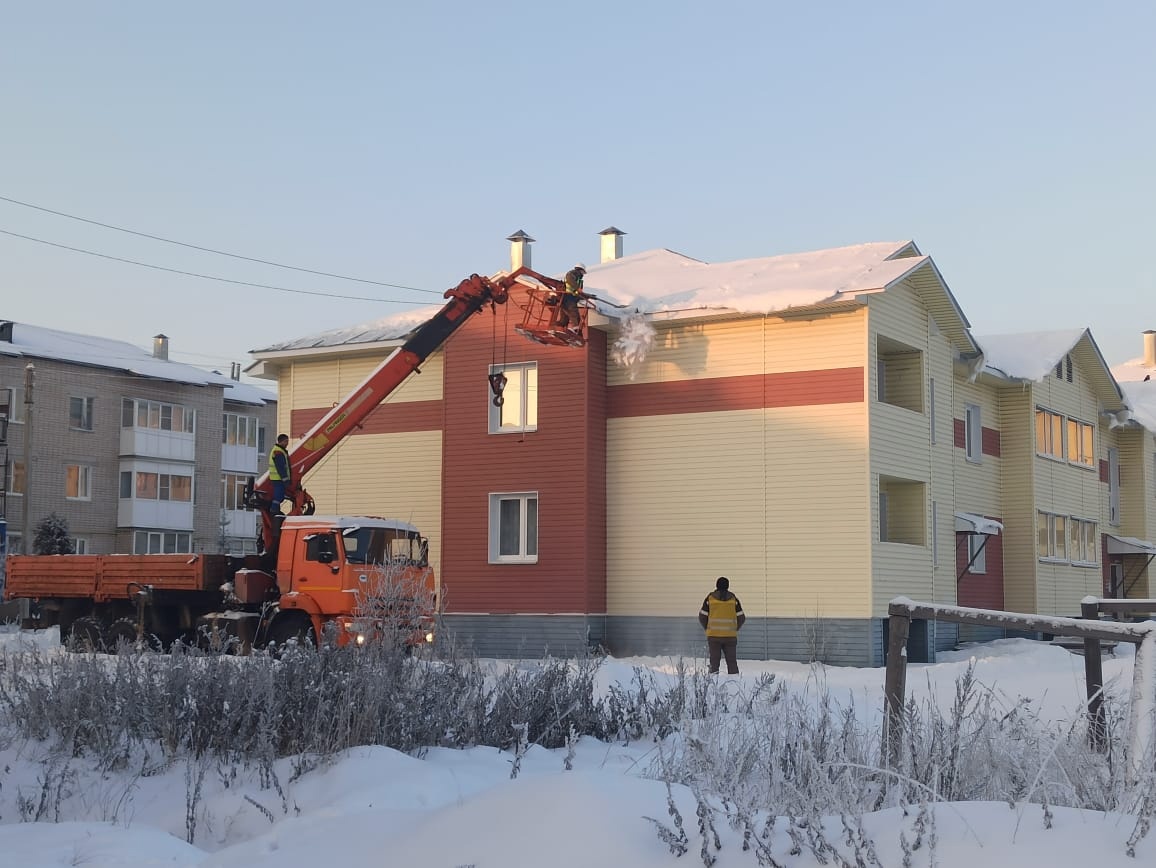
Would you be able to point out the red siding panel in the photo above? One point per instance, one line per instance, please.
(981, 590)
(385, 419)
(960, 433)
(989, 442)
(564, 461)
(754, 391)
(1105, 476)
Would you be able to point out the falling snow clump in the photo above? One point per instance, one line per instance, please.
(633, 343)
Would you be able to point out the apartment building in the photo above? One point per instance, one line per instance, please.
(823, 428)
(138, 453)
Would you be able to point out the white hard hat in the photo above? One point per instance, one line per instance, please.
(581, 265)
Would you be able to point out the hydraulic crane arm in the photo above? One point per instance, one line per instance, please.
(467, 298)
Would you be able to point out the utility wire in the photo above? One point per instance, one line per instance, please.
(208, 276)
(211, 249)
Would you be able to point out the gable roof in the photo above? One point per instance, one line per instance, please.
(1032, 356)
(665, 282)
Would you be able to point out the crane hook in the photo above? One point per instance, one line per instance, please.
(497, 386)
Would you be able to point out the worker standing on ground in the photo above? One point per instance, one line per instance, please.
(722, 617)
(569, 316)
(280, 473)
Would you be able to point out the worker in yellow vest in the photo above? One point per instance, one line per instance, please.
(722, 617)
(280, 472)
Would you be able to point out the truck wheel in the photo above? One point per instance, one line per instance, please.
(121, 634)
(86, 634)
(287, 632)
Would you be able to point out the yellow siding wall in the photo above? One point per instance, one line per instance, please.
(1018, 445)
(736, 348)
(1070, 490)
(900, 448)
(776, 499)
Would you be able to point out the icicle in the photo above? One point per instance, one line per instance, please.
(633, 343)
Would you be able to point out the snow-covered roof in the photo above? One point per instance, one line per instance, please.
(389, 328)
(44, 343)
(243, 393)
(1141, 397)
(662, 280)
(1132, 370)
(1028, 355)
(657, 281)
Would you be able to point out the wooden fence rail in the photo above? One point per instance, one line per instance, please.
(1142, 725)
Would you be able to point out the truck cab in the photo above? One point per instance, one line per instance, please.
(365, 574)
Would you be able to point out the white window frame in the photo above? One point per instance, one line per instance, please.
(527, 536)
(80, 545)
(1083, 542)
(244, 430)
(1048, 524)
(86, 410)
(10, 478)
(155, 542)
(83, 482)
(233, 490)
(977, 553)
(1046, 445)
(155, 413)
(519, 410)
(973, 433)
(1078, 452)
(15, 404)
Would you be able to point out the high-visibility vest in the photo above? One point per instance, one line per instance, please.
(722, 620)
(274, 472)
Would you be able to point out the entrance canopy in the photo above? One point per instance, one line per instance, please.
(1129, 545)
(968, 522)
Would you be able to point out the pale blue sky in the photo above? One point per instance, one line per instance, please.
(1013, 141)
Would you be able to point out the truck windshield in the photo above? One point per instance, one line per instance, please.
(380, 545)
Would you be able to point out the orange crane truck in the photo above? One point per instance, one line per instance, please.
(314, 573)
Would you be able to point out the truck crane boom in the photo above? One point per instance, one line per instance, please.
(467, 298)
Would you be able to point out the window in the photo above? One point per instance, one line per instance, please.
(156, 486)
(238, 430)
(513, 528)
(902, 511)
(1083, 542)
(519, 410)
(80, 413)
(233, 491)
(161, 542)
(77, 482)
(1080, 449)
(899, 374)
(1113, 486)
(15, 477)
(1051, 536)
(977, 552)
(11, 402)
(972, 433)
(138, 413)
(321, 547)
(79, 545)
(931, 406)
(1049, 434)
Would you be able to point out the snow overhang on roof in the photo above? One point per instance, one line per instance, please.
(969, 522)
(1033, 356)
(1129, 545)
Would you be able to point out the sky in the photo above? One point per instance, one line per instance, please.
(402, 143)
(461, 809)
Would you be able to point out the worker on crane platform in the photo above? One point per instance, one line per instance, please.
(569, 317)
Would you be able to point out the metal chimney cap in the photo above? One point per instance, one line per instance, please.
(520, 235)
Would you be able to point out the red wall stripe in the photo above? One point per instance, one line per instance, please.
(385, 418)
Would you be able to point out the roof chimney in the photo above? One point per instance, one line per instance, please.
(519, 250)
(611, 244)
(1150, 349)
(161, 347)
(235, 371)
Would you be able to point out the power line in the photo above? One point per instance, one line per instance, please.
(211, 249)
(209, 276)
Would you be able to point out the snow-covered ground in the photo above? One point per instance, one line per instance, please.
(459, 808)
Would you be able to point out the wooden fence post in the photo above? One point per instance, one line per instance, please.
(1142, 715)
(899, 625)
(1094, 676)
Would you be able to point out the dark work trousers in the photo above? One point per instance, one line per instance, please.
(568, 316)
(719, 647)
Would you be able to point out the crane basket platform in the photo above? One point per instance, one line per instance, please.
(541, 314)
